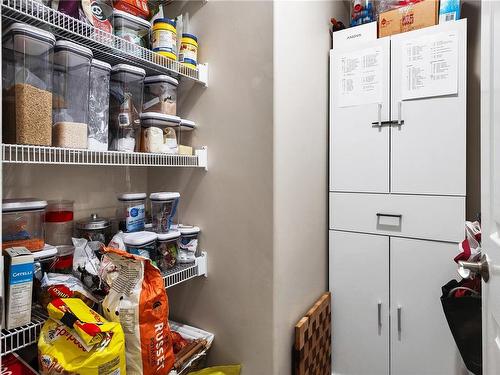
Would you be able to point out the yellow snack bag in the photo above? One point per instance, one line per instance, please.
(77, 340)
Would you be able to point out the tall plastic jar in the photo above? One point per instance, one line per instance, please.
(164, 38)
(131, 28)
(160, 95)
(125, 106)
(163, 209)
(22, 223)
(131, 212)
(71, 94)
(27, 65)
(188, 52)
(99, 105)
(59, 222)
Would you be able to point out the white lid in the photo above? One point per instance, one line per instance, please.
(188, 229)
(23, 204)
(159, 119)
(187, 124)
(66, 45)
(33, 31)
(48, 251)
(132, 196)
(139, 238)
(161, 78)
(164, 196)
(100, 64)
(129, 17)
(169, 235)
(129, 69)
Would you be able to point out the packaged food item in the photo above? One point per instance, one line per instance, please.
(22, 223)
(188, 243)
(142, 244)
(449, 10)
(27, 66)
(13, 364)
(362, 11)
(125, 102)
(138, 300)
(95, 229)
(131, 28)
(411, 17)
(77, 340)
(167, 250)
(164, 38)
(86, 264)
(56, 285)
(185, 150)
(160, 95)
(99, 105)
(188, 53)
(163, 209)
(138, 8)
(59, 222)
(71, 94)
(18, 286)
(98, 13)
(131, 212)
(64, 259)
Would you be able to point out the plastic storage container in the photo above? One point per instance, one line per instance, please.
(99, 105)
(71, 94)
(64, 260)
(131, 28)
(131, 212)
(44, 260)
(125, 102)
(142, 243)
(188, 243)
(188, 52)
(163, 209)
(59, 222)
(164, 38)
(27, 85)
(160, 95)
(362, 11)
(167, 250)
(157, 133)
(22, 223)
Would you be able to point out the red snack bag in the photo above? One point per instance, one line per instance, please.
(138, 8)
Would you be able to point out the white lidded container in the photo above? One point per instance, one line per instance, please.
(160, 94)
(125, 104)
(158, 134)
(131, 28)
(141, 243)
(167, 249)
(71, 94)
(99, 105)
(27, 67)
(163, 209)
(131, 211)
(188, 243)
(187, 125)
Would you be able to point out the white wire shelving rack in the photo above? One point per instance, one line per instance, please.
(105, 46)
(24, 154)
(18, 338)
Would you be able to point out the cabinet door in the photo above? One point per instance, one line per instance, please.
(428, 151)
(421, 341)
(359, 282)
(359, 150)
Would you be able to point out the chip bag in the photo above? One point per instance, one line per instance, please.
(138, 300)
(77, 340)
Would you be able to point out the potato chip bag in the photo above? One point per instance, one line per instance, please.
(77, 340)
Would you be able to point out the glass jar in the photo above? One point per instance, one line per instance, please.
(167, 250)
(142, 244)
(64, 260)
(125, 105)
(22, 223)
(131, 212)
(99, 105)
(163, 209)
(158, 134)
(160, 95)
(27, 66)
(59, 222)
(96, 230)
(131, 28)
(71, 94)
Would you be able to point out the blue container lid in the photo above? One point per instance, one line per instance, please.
(165, 20)
(190, 36)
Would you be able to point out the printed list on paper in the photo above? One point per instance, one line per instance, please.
(430, 66)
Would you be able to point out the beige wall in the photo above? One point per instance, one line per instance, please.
(301, 50)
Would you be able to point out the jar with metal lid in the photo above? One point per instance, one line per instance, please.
(22, 223)
(94, 229)
(131, 212)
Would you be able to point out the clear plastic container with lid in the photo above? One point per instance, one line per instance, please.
(142, 244)
(71, 94)
(158, 134)
(59, 222)
(131, 212)
(126, 88)
(160, 95)
(163, 209)
(188, 243)
(167, 250)
(131, 28)
(99, 105)
(27, 67)
(22, 223)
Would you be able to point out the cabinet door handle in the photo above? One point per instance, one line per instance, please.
(386, 123)
(400, 110)
(379, 310)
(390, 215)
(379, 114)
(399, 321)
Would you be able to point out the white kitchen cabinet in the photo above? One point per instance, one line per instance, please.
(359, 279)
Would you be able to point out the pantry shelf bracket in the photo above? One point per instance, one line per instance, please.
(202, 155)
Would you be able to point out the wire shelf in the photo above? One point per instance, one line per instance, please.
(105, 46)
(24, 154)
(184, 272)
(18, 338)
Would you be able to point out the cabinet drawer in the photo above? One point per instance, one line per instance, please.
(428, 217)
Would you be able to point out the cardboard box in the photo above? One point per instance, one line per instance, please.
(18, 263)
(353, 35)
(408, 18)
(13, 364)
